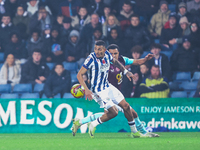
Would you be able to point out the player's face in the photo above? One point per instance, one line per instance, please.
(114, 53)
(99, 51)
(155, 72)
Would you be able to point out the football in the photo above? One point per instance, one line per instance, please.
(77, 91)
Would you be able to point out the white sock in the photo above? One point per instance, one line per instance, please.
(132, 126)
(96, 122)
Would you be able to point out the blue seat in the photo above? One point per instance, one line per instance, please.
(22, 88)
(71, 66)
(174, 86)
(68, 95)
(191, 94)
(9, 96)
(167, 53)
(1, 57)
(5, 88)
(1, 65)
(172, 7)
(179, 94)
(38, 88)
(196, 76)
(183, 76)
(145, 54)
(74, 77)
(51, 65)
(56, 96)
(157, 41)
(30, 95)
(188, 86)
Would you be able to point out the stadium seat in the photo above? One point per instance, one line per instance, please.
(56, 96)
(174, 86)
(73, 77)
(22, 88)
(51, 65)
(9, 96)
(145, 53)
(183, 76)
(1, 64)
(68, 95)
(196, 76)
(179, 94)
(71, 66)
(172, 7)
(1, 57)
(38, 88)
(157, 41)
(5, 88)
(188, 86)
(191, 94)
(30, 95)
(167, 53)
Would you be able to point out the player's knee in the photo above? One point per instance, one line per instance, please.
(114, 112)
(126, 107)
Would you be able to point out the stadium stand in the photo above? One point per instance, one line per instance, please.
(56, 96)
(196, 76)
(183, 76)
(71, 66)
(5, 88)
(67, 95)
(51, 65)
(188, 86)
(22, 88)
(9, 96)
(30, 95)
(178, 94)
(38, 88)
(1, 57)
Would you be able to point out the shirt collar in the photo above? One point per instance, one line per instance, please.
(3, 25)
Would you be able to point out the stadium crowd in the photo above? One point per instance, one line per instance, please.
(40, 39)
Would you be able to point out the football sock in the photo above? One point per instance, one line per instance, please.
(132, 126)
(90, 118)
(140, 127)
(96, 122)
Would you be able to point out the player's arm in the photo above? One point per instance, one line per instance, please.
(122, 68)
(142, 60)
(88, 93)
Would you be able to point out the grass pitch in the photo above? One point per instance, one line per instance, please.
(102, 141)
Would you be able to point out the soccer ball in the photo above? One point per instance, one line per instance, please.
(77, 91)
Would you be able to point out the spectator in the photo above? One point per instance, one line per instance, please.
(16, 47)
(80, 20)
(185, 26)
(40, 19)
(186, 58)
(182, 11)
(6, 28)
(170, 32)
(59, 81)
(96, 6)
(144, 70)
(155, 86)
(106, 11)
(75, 50)
(55, 45)
(67, 28)
(125, 14)
(46, 32)
(35, 42)
(161, 60)
(87, 31)
(159, 19)
(35, 70)
(136, 34)
(194, 4)
(4, 8)
(21, 17)
(69, 8)
(97, 35)
(195, 35)
(58, 22)
(12, 4)
(11, 71)
(111, 22)
(33, 7)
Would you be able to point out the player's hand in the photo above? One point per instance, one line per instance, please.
(149, 56)
(130, 75)
(88, 95)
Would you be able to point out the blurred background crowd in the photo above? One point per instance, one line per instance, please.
(43, 43)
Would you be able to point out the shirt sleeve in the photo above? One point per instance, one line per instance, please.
(128, 61)
(88, 62)
(109, 55)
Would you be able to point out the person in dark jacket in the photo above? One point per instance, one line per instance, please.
(34, 70)
(170, 32)
(136, 34)
(195, 34)
(96, 6)
(16, 47)
(59, 81)
(75, 50)
(161, 60)
(66, 27)
(185, 58)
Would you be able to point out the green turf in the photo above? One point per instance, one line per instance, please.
(102, 141)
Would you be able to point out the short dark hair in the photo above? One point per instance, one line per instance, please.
(156, 45)
(156, 66)
(135, 15)
(113, 46)
(6, 15)
(100, 43)
(59, 64)
(35, 31)
(127, 2)
(146, 64)
(37, 50)
(83, 7)
(137, 49)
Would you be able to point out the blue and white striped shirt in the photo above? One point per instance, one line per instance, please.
(99, 70)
